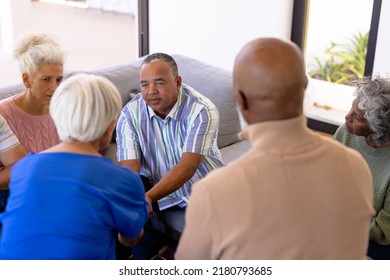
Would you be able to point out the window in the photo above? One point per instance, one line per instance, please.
(93, 33)
(338, 40)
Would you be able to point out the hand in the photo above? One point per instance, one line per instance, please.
(128, 242)
(149, 200)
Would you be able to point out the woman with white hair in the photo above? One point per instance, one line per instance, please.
(367, 130)
(41, 63)
(69, 202)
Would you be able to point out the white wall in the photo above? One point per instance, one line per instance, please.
(382, 53)
(214, 31)
(124, 6)
(13, 16)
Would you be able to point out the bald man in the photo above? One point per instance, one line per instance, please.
(294, 194)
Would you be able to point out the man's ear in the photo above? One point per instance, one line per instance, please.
(25, 80)
(178, 82)
(242, 100)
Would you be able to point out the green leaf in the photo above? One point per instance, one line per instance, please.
(344, 63)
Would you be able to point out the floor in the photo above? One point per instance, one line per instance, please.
(90, 37)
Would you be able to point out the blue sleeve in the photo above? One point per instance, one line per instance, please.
(129, 207)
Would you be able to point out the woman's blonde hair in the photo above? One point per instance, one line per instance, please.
(37, 49)
(83, 107)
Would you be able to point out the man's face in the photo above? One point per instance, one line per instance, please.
(159, 87)
(355, 122)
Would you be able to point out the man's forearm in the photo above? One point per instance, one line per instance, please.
(176, 177)
(171, 182)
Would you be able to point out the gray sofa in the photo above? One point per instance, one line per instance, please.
(213, 82)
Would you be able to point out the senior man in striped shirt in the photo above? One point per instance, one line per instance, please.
(168, 134)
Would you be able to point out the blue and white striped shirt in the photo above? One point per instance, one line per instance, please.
(191, 126)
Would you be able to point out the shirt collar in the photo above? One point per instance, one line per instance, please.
(271, 134)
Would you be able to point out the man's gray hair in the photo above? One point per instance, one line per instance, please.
(162, 57)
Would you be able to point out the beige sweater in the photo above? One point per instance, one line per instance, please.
(293, 195)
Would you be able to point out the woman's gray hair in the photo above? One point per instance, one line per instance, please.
(83, 107)
(38, 49)
(374, 101)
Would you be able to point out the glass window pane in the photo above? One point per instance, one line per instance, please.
(335, 52)
(337, 36)
(93, 33)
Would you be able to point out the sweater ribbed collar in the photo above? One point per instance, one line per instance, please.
(291, 133)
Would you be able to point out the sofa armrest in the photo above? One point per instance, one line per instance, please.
(234, 151)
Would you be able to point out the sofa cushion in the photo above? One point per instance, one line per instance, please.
(124, 76)
(11, 90)
(216, 84)
(234, 151)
